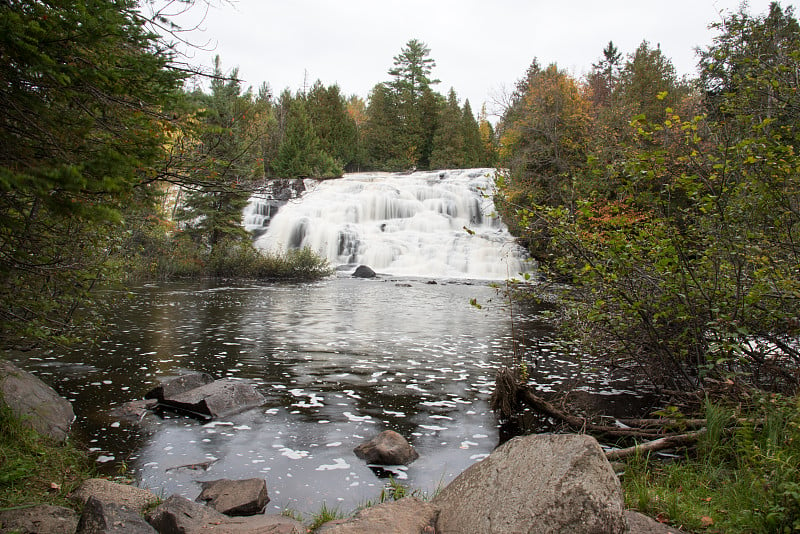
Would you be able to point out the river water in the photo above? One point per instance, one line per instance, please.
(339, 360)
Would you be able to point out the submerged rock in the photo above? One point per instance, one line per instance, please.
(235, 497)
(362, 271)
(35, 403)
(220, 398)
(541, 483)
(387, 448)
(180, 384)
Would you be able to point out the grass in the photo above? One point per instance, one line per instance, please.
(35, 469)
(742, 479)
(324, 515)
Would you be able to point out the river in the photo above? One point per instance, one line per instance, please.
(339, 360)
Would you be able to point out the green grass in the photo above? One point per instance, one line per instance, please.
(34, 469)
(324, 515)
(743, 479)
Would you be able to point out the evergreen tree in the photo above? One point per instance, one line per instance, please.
(300, 153)
(85, 87)
(448, 151)
(335, 128)
(473, 146)
(228, 160)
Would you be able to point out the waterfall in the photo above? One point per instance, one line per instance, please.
(433, 224)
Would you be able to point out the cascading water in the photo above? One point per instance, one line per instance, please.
(432, 224)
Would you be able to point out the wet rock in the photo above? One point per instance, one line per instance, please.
(134, 410)
(220, 398)
(387, 448)
(641, 524)
(235, 497)
(406, 516)
(100, 517)
(180, 384)
(111, 492)
(541, 483)
(362, 271)
(179, 515)
(42, 519)
(36, 403)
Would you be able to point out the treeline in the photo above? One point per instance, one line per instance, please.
(317, 131)
(671, 206)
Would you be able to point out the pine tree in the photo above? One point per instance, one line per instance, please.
(448, 151)
(473, 147)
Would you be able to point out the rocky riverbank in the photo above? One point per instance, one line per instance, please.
(539, 483)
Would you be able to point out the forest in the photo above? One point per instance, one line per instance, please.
(663, 210)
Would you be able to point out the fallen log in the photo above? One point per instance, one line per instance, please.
(668, 442)
(580, 423)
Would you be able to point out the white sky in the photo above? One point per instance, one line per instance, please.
(480, 48)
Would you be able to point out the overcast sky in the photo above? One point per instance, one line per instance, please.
(480, 48)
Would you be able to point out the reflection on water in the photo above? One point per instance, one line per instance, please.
(338, 361)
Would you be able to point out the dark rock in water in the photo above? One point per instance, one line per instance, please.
(235, 497)
(100, 517)
(179, 384)
(131, 497)
(431, 282)
(134, 410)
(387, 448)
(540, 483)
(404, 285)
(36, 403)
(43, 519)
(220, 398)
(179, 515)
(409, 515)
(362, 271)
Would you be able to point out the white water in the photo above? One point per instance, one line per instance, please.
(430, 224)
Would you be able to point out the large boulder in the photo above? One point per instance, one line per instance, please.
(179, 515)
(362, 271)
(387, 448)
(220, 398)
(111, 492)
(43, 518)
(100, 517)
(406, 516)
(169, 387)
(535, 484)
(35, 403)
(235, 497)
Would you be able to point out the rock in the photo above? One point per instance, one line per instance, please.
(40, 519)
(134, 410)
(362, 271)
(177, 385)
(100, 517)
(36, 403)
(641, 524)
(542, 484)
(111, 492)
(235, 497)
(387, 448)
(179, 515)
(220, 398)
(406, 516)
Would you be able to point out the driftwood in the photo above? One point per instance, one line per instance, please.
(509, 394)
(669, 442)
